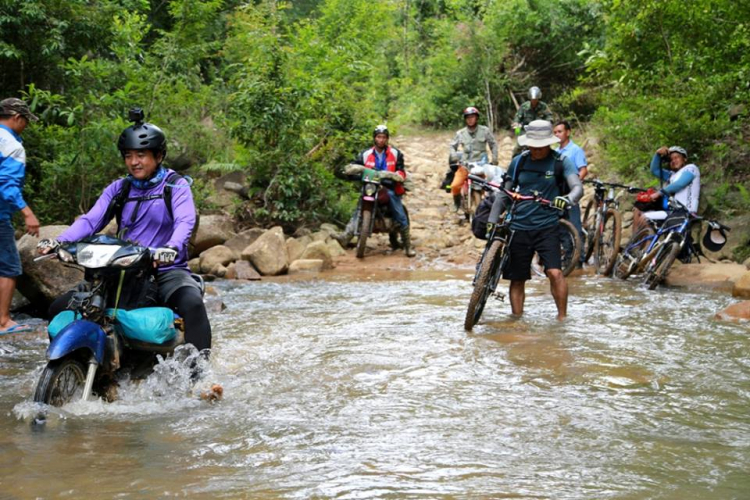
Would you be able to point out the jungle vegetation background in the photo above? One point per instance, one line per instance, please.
(286, 92)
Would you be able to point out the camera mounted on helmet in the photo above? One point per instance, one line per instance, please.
(142, 135)
(136, 115)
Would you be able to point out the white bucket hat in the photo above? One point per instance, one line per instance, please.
(538, 135)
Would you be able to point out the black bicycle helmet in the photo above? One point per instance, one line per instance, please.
(142, 135)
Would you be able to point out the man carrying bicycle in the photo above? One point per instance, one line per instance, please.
(535, 227)
(683, 183)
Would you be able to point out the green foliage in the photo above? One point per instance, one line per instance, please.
(288, 91)
(671, 73)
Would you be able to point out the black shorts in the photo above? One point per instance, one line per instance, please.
(545, 242)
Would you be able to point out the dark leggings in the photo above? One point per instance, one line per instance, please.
(185, 301)
(188, 303)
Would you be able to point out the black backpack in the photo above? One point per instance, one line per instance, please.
(117, 203)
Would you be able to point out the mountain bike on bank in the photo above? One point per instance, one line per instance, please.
(602, 225)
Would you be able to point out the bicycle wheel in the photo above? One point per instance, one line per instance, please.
(663, 261)
(491, 264)
(570, 246)
(609, 243)
(627, 262)
(570, 250)
(588, 221)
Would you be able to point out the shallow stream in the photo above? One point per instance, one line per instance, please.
(370, 388)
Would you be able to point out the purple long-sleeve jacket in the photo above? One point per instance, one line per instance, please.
(152, 226)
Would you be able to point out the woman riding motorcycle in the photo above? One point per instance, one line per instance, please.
(139, 202)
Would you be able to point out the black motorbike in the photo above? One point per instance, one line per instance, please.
(111, 327)
(373, 215)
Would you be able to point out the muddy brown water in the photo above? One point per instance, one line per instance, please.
(368, 387)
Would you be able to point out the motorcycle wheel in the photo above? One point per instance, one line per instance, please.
(482, 288)
(364, 233)
(61, 381)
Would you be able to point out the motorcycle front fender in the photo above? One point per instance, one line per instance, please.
(80, 334)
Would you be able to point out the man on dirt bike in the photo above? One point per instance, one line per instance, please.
(139, 202)
(473, 139)
(533, 109)
(683, 182)
(390, 162)
(578, 156)
(535, 226)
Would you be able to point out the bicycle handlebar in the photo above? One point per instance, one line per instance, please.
(630, 189)
(513, 195)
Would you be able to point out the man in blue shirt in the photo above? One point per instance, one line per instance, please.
(14, 116)
(536, 227)
(578, 156)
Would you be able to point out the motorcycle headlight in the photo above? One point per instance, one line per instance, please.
(65, 256)
(370, 189)
(127, 261)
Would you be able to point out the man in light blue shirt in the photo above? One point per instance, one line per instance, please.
(14, 117)
(570, 149)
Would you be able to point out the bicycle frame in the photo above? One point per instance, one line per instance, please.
(502, 230)
(656, 241)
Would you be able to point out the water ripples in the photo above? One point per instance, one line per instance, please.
(372, 389)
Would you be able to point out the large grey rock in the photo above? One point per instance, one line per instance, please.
(319, 250)
(213, 230)
(306, 266)
(737, 313)
(218, 255)
(268, 253)
(243, 270)
(742, 286)
(335, 248)
(294, 249)
(320, 236)
(44, 281)
(219, 271)
(720, 276)
(18, 301)
(231, 271)
(243, 240)
(330, 228)
(195, 265)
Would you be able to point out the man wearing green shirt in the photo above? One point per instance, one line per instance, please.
(533, 109)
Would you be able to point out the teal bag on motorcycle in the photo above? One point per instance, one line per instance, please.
(154, 325)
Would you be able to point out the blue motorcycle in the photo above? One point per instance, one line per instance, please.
(110, 328)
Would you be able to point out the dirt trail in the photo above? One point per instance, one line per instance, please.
(440, 240)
